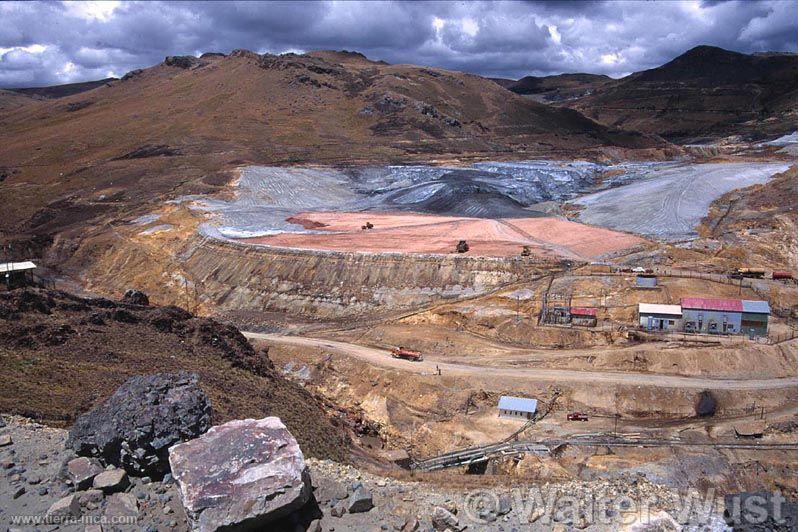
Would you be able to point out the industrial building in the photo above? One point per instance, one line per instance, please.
(718, 316)
(655, 317)
(517, 407)
(584, 316)
(705, 315)
(754, 321)
(646, 281)
(16, 274)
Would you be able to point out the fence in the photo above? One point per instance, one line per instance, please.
(727, 339)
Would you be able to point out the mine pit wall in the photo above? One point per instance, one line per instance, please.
(325, 284)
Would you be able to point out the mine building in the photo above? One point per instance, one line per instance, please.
(16, 274)
(646, 281)
(584, 316)
(717, 316)
(517, 407)
(725, 316)
(754, 321)
(560, 315)
(655, 317)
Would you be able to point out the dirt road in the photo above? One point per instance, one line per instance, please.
(379, 357)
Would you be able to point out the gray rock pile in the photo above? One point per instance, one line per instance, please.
(245, 473)
(135, 427)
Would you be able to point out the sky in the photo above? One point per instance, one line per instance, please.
(46, 43)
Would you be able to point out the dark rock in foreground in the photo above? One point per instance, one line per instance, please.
(135, 427)
(136, 297)
(360, 501)
(245, 473)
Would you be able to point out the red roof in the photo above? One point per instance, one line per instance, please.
(583, 311)
(702, 303)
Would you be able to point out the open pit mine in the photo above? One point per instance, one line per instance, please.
(357, 281)
(338, 294)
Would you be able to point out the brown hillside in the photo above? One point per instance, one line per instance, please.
(180, 126)
(10, 100)
(706, 92)
(60, 91)
(760, 223)
(61, 355)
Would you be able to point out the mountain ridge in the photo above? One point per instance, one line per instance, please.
(182, 126)
(705, 93)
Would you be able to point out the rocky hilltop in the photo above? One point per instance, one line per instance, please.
(559, 88)
(705, 93)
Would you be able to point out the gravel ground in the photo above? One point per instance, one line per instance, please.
(30, 483)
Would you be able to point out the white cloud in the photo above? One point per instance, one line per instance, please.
(555, 34)
(611, 59)
(92, 10)
(39, 40)
(470, 27)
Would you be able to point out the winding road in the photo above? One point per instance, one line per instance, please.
(383, 358)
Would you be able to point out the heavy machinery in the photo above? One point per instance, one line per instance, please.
(368, 226)
(750, 273)
(406, 354)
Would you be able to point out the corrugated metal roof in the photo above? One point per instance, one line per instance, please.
(654, 308)
(703, 303)
(757, 307)
(583, 311)
(16, 266)
(519, 404)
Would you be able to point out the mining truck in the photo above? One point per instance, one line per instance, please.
(750, 273)
(406, 354)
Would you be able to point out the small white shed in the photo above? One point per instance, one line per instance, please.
(517, 407)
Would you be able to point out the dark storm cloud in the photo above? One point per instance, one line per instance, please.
(60, 42)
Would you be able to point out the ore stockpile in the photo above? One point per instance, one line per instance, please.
(670, 202)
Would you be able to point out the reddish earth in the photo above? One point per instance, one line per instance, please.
(419, 233)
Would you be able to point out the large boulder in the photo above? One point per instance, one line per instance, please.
(243, 474)
(136, 297)
(135, 427)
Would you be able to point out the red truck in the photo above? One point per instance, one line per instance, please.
(406, 354)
